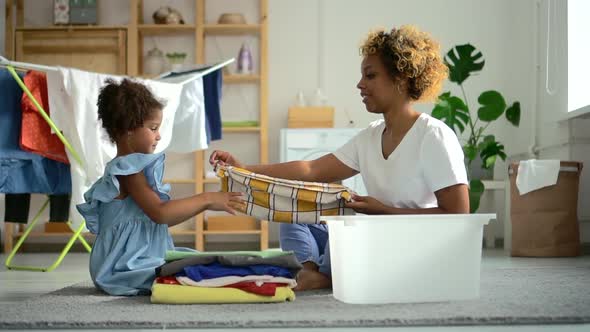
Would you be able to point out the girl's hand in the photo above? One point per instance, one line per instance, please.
(223, 201)
(224, 158)
(366, 205)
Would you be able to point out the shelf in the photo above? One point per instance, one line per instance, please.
(179, 181)
(206, 232)
(71, 27)
(182, 232)
(241, 129)
(165, 29)
(231, 29)
(233, 79)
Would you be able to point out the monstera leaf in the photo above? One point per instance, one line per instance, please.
(513, 114)
(462, 61)
(492, 105)
(452, 110)
(470, 152)
(476, 189)
(490, 150)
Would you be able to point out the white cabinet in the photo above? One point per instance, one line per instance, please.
(309, 144)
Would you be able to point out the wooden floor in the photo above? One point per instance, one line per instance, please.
(20, 285)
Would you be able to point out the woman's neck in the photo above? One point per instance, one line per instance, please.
(399, 121)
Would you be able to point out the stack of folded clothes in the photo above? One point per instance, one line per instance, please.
(226, 277)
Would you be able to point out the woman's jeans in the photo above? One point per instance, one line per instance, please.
(309, 242)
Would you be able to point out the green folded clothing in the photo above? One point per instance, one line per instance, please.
(232, 124)
(176, 255)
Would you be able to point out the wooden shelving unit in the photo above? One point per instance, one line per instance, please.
(242, 129)
(234, 79)
(164, 29)
(137, 29)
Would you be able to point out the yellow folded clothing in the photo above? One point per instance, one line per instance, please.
(283, 200)
(180, 294)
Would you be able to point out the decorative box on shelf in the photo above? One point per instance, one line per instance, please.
(75, 12)
(311, 117)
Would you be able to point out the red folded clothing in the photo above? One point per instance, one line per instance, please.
(267, 288)
(171, 280)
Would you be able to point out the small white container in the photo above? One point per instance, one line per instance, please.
(406, 258)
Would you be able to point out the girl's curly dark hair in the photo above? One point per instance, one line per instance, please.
(412, 56)
(125, 106)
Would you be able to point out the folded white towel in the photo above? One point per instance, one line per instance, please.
(536, 174)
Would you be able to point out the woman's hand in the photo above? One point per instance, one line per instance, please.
(224, 158)
(366, 205)
(224, 201)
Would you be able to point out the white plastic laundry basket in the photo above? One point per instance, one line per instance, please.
(406, 258)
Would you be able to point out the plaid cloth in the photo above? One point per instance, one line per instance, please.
(283, 200)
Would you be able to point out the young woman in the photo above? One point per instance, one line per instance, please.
(410, 162)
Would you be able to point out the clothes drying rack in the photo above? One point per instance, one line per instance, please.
(177, 77)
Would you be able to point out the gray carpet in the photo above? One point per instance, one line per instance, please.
(533, 295)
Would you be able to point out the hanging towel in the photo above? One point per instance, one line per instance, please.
(188, 133)
(200, 109)
(213, 83)
(36, 136)
(75, 93)
(283, 200)
(536, 174)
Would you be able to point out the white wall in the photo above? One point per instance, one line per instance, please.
(314, 43)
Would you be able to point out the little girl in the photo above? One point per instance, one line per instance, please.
(129, 208)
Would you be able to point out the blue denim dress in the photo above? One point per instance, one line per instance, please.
(129, 245)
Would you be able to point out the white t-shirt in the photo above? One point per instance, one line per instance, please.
(428, 158)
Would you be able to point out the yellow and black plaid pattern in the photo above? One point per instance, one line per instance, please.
(283, 200)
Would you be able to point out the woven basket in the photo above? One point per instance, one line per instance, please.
(231, 18)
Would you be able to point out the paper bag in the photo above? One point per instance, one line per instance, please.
(545, 221)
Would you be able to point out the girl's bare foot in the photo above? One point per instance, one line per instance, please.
(310, 278)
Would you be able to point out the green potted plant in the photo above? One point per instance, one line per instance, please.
(462, 61)
(176, 59)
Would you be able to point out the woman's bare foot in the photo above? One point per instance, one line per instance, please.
(310, 278)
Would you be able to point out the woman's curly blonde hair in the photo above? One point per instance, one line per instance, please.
(412, 56)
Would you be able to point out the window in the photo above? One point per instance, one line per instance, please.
(578, 56)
